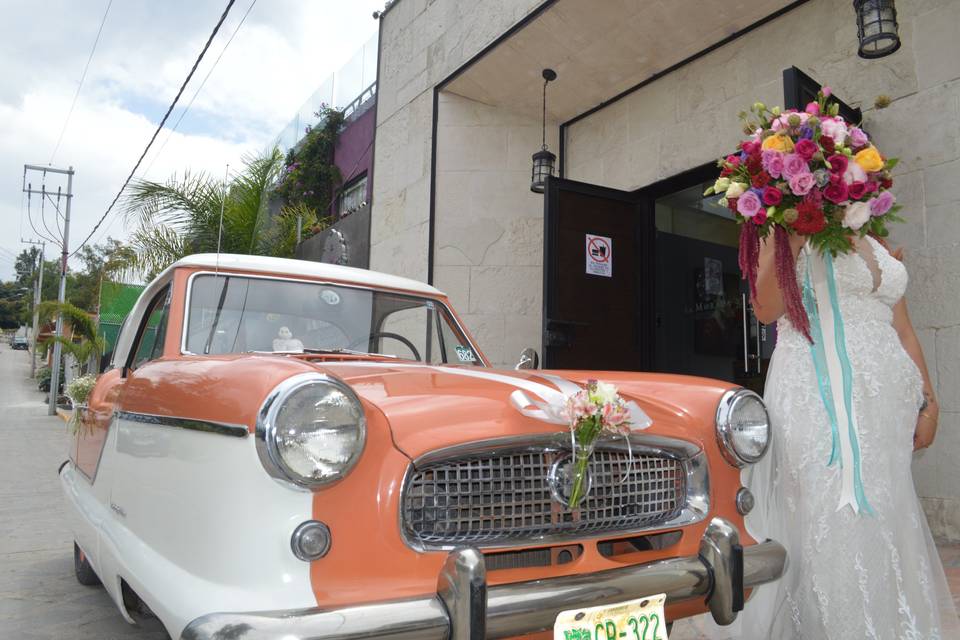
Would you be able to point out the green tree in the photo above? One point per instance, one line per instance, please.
(85, 343)
(182, 216)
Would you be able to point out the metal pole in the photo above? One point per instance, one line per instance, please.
(37, 292)
(61, 298)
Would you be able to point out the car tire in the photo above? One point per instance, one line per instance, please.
(81, 567)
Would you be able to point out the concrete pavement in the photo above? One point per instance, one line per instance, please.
(39, 596)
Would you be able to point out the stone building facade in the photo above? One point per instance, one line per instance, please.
(647, 91)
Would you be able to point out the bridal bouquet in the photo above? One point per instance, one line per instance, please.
(592, 411)
(811, 173)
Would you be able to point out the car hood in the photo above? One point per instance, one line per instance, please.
(431, 407)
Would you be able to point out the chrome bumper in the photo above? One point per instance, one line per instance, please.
(464, 608)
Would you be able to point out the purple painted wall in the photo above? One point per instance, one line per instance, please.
(353, 154)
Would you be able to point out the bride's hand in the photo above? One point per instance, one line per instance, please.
(926, 428)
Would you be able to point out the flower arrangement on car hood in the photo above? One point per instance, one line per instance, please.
(811, 173)
(592, 411)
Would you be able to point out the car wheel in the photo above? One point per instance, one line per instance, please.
(81, 567)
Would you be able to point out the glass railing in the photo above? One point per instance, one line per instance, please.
(347, 89)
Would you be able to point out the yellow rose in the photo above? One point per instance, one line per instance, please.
(779, 143)
(869, 159)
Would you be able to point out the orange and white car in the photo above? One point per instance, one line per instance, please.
(288, 449)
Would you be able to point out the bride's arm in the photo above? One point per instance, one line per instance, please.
(927, 420)
(768, 305)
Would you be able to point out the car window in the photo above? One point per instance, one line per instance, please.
(153, 330)
(238, 314)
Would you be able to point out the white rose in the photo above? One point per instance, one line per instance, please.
(836, 128)
(721, 185)
(854, 173)
(736, 189)
(855, 215)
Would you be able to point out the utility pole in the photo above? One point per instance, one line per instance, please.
(37, 292)
(62, 296)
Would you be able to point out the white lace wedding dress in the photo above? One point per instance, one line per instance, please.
(849, 576)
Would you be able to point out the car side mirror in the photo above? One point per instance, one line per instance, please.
(528, 359)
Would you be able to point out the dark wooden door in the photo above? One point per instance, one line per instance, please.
(597, 279)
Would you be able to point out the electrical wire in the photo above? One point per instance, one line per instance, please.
(199, 89)
(159, 128)
(43, 214)
(30, 216)
(83, 77)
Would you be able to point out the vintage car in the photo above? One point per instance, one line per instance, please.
(288, 449)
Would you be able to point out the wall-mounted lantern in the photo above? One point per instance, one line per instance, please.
(543, 160)
(876, 28)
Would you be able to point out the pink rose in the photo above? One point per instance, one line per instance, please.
(749, 204)
(857, 190)
(858, 138)
(794, 165)
(805, 148)
(801, 184)
(882, 203)
(871, 186)
(772, 162)
(826, 91)
(772, 196)
(838, 163)
(836, 192)
(813, 108)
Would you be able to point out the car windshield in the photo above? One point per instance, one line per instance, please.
(238, 314)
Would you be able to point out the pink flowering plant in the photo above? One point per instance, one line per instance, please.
(591, 412)
(806, 172)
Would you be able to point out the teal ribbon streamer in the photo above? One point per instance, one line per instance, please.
(823, 377)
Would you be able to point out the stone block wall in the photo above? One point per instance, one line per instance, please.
(689, 117)
(422, 42)
(489, 225)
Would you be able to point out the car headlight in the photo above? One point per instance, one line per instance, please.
(743, 427)
(311, 430)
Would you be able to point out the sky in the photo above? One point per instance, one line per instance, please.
(281, 54)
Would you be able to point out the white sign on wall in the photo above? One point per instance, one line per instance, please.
(599, 255)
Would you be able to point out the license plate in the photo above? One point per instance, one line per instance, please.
(640, 619)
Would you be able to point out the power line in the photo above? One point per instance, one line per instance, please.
(199, 89)
(159, 128)
(83, 77)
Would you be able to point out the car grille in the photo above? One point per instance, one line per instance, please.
(505, 497)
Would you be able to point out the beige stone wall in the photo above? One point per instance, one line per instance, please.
(422, 42)
(489, 225)
(689, 117)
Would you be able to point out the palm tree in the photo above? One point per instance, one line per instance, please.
(89, 344)
(182, 216)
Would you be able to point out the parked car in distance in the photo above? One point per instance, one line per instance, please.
(19, 342)
(289, 449)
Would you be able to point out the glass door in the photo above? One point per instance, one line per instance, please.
(704, 323)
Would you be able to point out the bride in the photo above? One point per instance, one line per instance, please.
(868, 569)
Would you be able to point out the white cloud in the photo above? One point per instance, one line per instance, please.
(284, 50)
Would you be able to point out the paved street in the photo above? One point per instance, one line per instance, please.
(39, 596)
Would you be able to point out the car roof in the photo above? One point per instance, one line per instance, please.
(306, 269)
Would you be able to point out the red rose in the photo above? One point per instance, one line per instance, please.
(750, 147)
(838, 163)
(810, 219)
(772, 196)
(871, 186)
(754, 164)
(886, 183)
(730, 165)
(760, 217)
(826, 142)
(836, 192)
(805, 148)
(760, 180)
(857, 190)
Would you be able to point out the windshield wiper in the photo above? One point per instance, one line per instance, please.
(340, 350)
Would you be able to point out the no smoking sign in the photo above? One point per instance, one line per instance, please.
(599, 250)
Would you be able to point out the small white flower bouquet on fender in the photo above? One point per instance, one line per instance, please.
(591, 412)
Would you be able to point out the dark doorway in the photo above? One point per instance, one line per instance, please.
(597, 286)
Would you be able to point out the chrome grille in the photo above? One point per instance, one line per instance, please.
(504, 497)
